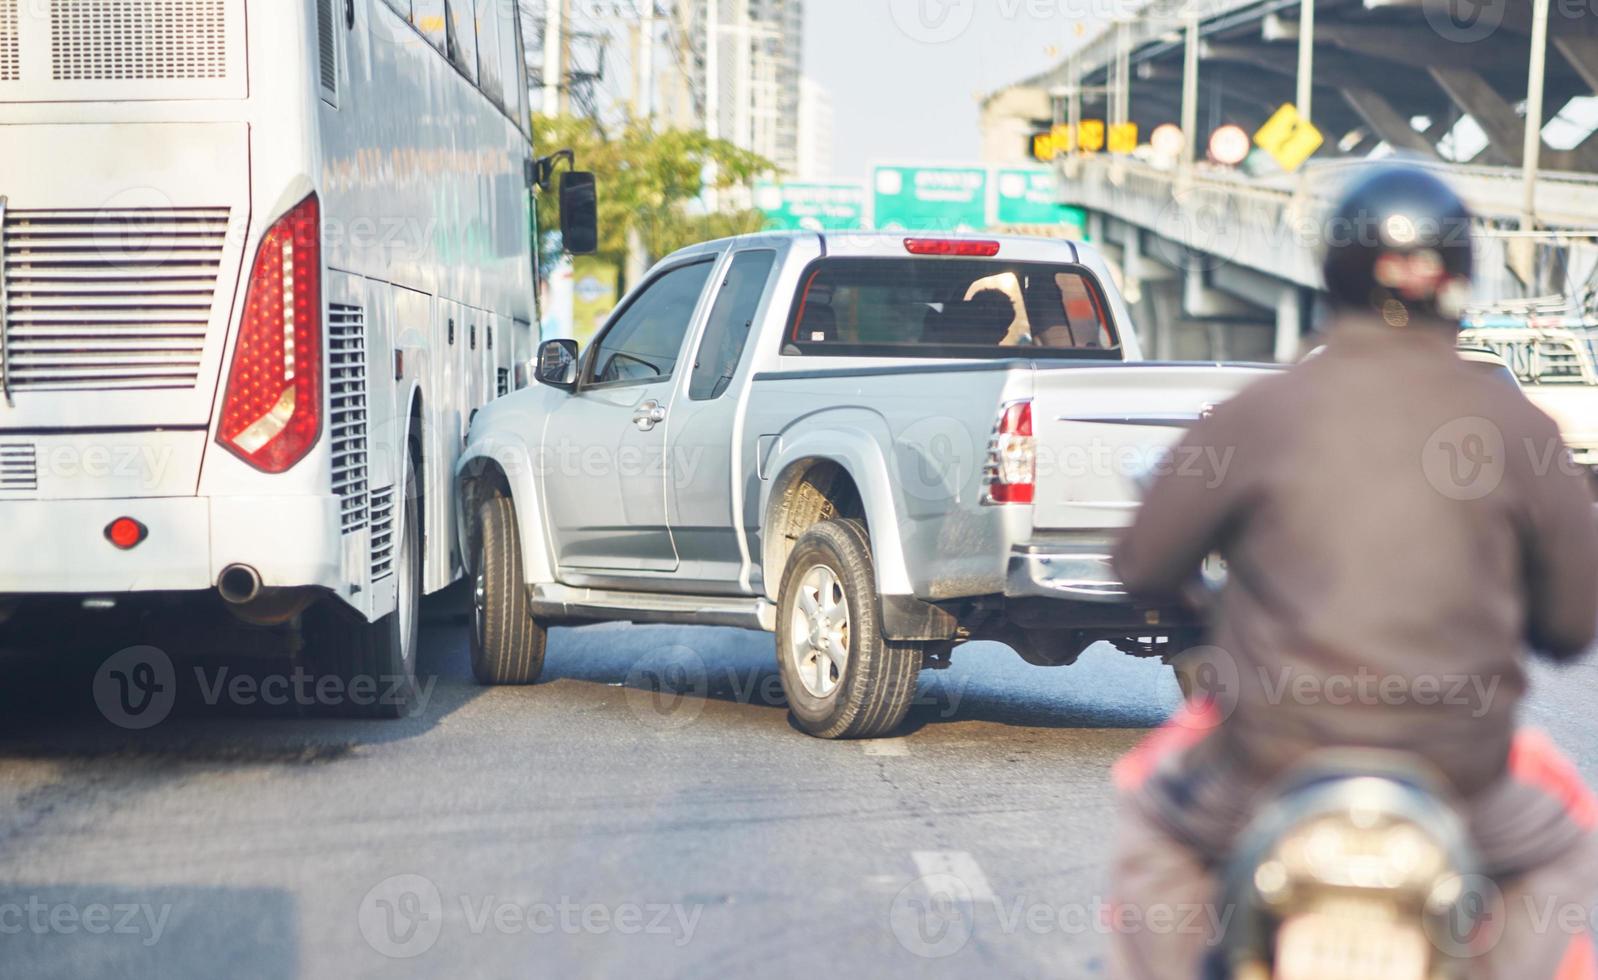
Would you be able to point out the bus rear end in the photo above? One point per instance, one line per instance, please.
(168, 429)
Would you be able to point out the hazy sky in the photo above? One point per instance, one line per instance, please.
(903, 92)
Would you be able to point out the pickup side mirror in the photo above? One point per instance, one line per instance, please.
(557, 364)
(579, 213)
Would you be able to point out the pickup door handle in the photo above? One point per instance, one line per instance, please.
(649, 414)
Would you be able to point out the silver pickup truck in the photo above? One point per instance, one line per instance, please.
(875, 447)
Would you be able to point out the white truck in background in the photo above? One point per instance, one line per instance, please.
(1553, 353)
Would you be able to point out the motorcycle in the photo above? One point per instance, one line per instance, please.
(1358, 866)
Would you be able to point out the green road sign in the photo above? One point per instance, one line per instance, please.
(1030, 196)
(931, 198)
(829, 205)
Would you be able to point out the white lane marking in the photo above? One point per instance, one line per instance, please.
(887, 746)
(959, 865)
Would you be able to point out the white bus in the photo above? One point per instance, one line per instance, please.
(262, 259)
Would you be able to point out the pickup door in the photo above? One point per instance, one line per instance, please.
(604, 474)
(640, 469)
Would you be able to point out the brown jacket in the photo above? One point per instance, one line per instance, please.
(1399, 527)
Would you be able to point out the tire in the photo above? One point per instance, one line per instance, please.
(1186, 662)
(1184, 678)
(380, 655)
(873, 692)
(507, 643)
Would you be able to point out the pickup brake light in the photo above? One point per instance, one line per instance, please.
(1012, 464)
(951, 246)
(272, 406)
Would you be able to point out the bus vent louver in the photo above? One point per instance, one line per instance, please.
(10, 62)
(19, 467)
(326, 39)
(346, 363)
(109, 299)
(138, 40)
(382, 533)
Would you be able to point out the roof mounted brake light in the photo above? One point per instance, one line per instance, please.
(951, 246)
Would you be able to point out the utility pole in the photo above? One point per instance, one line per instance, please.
(1306, 60)
(555, 56)
(1190, 74)
(712, 94)
(713, 68)
(1122, 110)
(646, 62)
(1525, 264)
(743, 79)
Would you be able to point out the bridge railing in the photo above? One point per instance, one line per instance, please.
(1275, 224)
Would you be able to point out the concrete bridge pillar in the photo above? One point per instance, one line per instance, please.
(1292, 323)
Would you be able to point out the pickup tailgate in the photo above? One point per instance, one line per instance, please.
(1099, 429)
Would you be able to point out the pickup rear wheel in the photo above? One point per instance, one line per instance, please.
(843, 678)
(507, 644)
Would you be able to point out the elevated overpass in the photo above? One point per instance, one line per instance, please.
(1224, 261)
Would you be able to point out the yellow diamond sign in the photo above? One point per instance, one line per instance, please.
(1289, 138)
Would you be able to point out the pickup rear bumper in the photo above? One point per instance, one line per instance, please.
(1078, 572)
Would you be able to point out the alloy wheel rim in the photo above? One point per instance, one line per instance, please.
(818, 632)
(480, 603)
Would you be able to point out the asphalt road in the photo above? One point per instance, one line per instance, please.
(646, 810)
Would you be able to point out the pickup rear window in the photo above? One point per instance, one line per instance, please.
(960, 308)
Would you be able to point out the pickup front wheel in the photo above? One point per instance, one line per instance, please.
(507, 643)
(843, 678)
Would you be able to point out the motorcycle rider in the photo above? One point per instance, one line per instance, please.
(1398, 528)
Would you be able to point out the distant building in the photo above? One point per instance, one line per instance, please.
(743, 85)
(815, 131)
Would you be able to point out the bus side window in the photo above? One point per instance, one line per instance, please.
(401, 7)
(428, 16)
(491, 27)
(462, 17)
(523, 107)
(508, 16)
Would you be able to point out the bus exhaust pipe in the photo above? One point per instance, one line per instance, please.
(239, 584)
(251, 602)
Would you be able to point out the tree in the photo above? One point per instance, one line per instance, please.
(650, 181)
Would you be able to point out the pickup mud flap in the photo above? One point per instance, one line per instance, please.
(905, 617)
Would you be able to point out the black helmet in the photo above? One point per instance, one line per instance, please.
(1399, 243)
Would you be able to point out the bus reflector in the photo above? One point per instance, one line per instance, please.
(951, 246)
(272, 408)
(125, 532)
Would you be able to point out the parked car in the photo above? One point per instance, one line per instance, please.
(875, 447)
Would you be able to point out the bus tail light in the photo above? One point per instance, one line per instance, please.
(272, 407)
(1011, 472)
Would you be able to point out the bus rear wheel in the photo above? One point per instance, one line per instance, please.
(374, 663)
